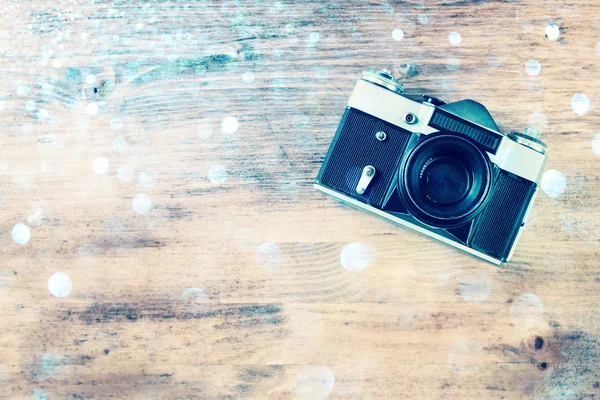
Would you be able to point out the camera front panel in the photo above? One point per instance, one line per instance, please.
(355, 146)
(496, 229)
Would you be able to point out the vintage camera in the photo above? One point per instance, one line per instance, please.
(444, 170)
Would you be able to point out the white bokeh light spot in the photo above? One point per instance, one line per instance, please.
(39, 394)
(90, 79)
(125, 173)
(5, 287)
(92, 109)
(60, 284)
(269, 256)
(100, 166)
(248, 77)
(194, 295)
(356, 257)
(147, 178)
(455, 38)
(533, 67)
(42, 114)
(218, 174)
(4, 376)
(423, 19)
(20, 233)
(141, 203)
(230, 125)
(119, 144)
(580, 103)
(475, 287)
(453, 63)
(116, 123)
(552, 31)
(314, 382)
(596, 144)
(37, 215)
(526, 310)
(397, 34)
(553, 183)
(494, 61)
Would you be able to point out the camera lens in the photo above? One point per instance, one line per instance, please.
(444, 180)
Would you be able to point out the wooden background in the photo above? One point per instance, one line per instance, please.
(236, 288)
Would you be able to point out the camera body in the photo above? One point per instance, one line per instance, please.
(444, 170)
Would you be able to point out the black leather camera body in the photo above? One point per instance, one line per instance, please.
(444, 170)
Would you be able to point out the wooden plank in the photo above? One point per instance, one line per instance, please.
(235, 288)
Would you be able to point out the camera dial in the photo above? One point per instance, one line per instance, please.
(383, 78)
(529, 138)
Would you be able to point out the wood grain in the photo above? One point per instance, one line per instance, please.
(274, 315)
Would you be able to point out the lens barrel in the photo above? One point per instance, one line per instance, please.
(444, 180)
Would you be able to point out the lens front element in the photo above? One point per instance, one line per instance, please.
(444, 180)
